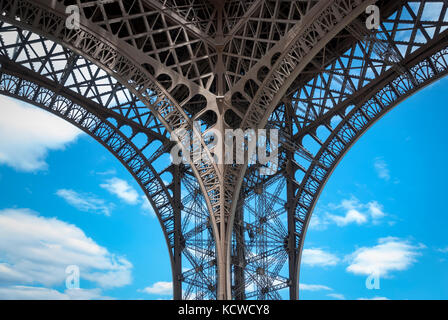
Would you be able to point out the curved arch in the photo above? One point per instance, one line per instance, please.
(22, 84)
(92, 41)
(302, 45)
(148, 60)
(427, 68)
(144, 94)
(329, 96)
(112, 56)
(305, 42)
(100, 129)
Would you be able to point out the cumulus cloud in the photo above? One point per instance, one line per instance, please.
(36, 250)
(28, 133)
(318, 257)
(390, 254)
(85, 202)
(348, 211)
(382, 169)
(122, 190)
(352, 216)
(160, 288)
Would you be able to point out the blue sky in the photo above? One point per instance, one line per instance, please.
(383, 209)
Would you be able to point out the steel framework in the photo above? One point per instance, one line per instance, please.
(137, 70)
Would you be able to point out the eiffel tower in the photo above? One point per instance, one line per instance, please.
(131, 73)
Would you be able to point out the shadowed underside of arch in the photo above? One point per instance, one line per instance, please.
(136, 71)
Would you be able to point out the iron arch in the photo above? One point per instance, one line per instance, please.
(429, 66)
(100, 123)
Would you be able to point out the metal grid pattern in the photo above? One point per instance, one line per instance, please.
(137, 70)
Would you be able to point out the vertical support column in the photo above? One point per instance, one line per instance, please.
(291, 244)
(223, 259)
(239, 252)
(177, 254)
(291, 241)
(221, 263)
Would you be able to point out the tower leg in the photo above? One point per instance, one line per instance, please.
(177, 270)
(239, 253)
(291, 242)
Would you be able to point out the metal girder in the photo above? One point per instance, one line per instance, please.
(297, 66)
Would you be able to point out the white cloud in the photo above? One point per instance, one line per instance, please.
(318, 257)
(349, 211)
(122, 190)
(36, 250)
(314, 287)
(351, 216)
(27, 134)
(391, 254)
(41, 293)
(337, 296)
(128, 194)
(160, 288)
(85, 202)
(382, 169)
(376, 210)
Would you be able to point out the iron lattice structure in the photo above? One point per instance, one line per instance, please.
(137, 70)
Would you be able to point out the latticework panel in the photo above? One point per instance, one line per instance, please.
(136, 71)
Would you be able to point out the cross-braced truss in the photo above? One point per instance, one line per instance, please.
(138, 70)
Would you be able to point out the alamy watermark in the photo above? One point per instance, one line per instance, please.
(373, 20)
(235, 147)
(73, 21)
(373, 281)
(72, 281)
